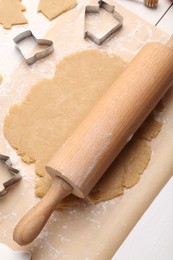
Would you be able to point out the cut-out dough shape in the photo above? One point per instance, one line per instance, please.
(55, 107)
(11, 13)
(53, 8)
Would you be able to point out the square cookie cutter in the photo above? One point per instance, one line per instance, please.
(16, 176)
(96, 9)
(39, 55)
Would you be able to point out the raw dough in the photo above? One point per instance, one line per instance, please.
(11, 13)
(55, 107)
(53, 8)
(0, 79)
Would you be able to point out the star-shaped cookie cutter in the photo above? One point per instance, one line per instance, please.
(109, 8)
(38, 55)
(16, 176)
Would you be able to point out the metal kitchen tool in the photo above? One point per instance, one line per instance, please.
(90, 150)
(15, 174)
(38, 55)
(95, 9)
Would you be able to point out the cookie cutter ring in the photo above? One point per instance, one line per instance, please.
(16, 176)
(38, 55)
(109, 8)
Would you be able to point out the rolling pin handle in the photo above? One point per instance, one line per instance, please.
(33, 222)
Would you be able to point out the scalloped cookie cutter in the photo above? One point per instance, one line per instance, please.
(16, 176)
(38, 55)
(109, 8)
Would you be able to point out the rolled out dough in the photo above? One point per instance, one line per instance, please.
(53, 8)
(11, 13)
(55, 107)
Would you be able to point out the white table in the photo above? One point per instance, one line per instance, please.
(151, 238)
(162, 16)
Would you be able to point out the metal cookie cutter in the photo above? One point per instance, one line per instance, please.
(109, 8)
(16, 176)
(38, 55)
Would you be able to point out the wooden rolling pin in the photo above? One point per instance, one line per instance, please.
(87, 154)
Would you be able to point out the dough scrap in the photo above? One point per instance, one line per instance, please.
(53, 8)
(149, 129)
(11, 13)
(55, 107)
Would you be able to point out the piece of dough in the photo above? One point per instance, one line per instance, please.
(11, 13)
(53, 8)
(55, 107)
